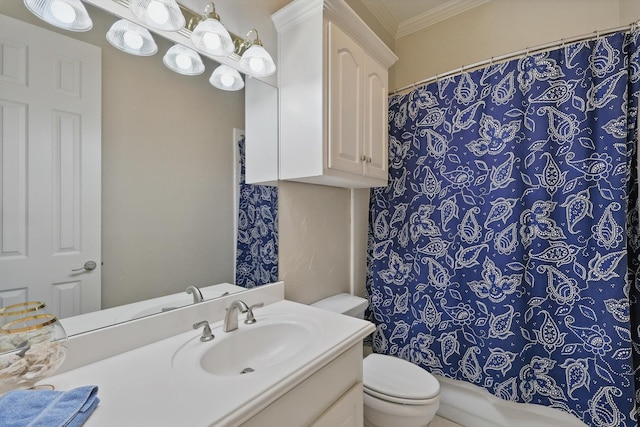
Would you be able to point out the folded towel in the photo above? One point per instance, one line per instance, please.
(48, 408)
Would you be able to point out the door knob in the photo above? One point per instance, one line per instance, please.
(88, 266)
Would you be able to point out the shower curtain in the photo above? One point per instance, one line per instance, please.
(257, 241)
(504, 250)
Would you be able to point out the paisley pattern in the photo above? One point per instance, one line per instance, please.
(257, 242)
(504, 250)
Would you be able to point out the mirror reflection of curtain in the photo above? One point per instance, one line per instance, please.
(257, 243)
(505, 248)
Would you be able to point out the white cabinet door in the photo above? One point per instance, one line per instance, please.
(358, 92)
(375, 119)
(346, 412)
(346, 70)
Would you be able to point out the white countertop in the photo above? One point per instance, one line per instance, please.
(142, 388)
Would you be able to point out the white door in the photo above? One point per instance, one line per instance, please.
(50, 138)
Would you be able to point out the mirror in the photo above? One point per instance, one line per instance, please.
(169, 175)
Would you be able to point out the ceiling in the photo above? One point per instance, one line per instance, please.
(403, 17)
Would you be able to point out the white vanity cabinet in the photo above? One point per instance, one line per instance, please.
(330, 397)
(333, 81)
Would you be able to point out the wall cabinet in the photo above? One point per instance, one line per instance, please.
(333, 80)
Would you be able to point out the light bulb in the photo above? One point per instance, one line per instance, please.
(227, 80)
(63, 12)
(256, 64)
(183, 61)
(132, 40)
(211, 40)
(158, 12)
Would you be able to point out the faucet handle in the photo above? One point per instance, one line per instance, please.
(207, 335)
(250, 317)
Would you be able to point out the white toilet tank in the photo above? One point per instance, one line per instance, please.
(348, 304)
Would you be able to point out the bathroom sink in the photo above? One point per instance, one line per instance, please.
(251, 349)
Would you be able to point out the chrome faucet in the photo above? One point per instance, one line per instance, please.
(231, 318)
(197, 295)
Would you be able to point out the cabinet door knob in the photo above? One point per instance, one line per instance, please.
(363, 158)
(368, 159)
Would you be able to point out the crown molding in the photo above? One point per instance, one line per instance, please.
(380, 11)
(400, 29)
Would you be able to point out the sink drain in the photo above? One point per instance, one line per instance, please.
(246, 370)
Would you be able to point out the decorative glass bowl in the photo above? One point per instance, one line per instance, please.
(32, 345)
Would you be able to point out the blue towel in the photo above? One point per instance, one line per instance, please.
(48, 408)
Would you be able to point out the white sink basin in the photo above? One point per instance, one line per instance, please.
(250, 350)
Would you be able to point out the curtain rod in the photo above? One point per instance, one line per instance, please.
(520, 53)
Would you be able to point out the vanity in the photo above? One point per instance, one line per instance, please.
(296, 366)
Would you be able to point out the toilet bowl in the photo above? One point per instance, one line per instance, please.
(397, 393)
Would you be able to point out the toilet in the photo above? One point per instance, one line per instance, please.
(397, 393)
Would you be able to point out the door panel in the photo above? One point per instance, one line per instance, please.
(375, 120)
(345, 103)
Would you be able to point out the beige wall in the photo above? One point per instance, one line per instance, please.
(314, 240)
(500, 27)
(168, 179)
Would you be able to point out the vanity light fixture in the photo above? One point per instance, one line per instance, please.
(209, 35)
(255, 60)
(226, 78)
(67, 14)
(183, 60)
(131, 38)
(163, 15)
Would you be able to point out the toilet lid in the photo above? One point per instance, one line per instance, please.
(397, 378)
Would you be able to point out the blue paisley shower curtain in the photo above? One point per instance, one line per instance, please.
(257, 242)
(504, 250)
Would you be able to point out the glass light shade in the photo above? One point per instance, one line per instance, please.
(67, 14)
(164, 15)
(256, 61)
(226, 78)
(183, 60)
(131, 38)
(211, 37)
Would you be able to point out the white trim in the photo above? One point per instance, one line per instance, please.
(433, 16)
(380, 11)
